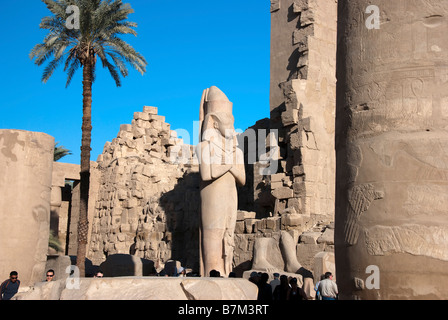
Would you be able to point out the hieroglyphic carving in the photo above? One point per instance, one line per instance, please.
(426, 199)
(360, 198)
(429, 241)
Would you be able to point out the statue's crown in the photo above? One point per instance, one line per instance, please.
(217, 101)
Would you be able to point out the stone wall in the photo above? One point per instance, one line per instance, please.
(148, 199)
(63, 204)
(303, 94)
(311, 238)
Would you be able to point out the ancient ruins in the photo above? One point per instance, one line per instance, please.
(351, 178)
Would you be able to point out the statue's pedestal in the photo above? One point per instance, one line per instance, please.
(143, 288)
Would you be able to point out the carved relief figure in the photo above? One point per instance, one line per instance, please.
(221, 165)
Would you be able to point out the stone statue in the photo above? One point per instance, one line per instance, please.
(221, 166)
(271, 255)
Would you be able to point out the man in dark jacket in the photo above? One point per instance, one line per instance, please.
(10, 287)
(264, 288)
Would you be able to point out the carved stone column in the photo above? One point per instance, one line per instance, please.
(26, 163)
(392, 150)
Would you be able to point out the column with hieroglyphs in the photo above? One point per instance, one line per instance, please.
(391, 232)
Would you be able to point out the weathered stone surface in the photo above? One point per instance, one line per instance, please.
(243, 215)
(327, 237)
(143, 288)
(267, 255)
(391, 150)
(26, 162)
(324, 262)
(432, 241)
(310, 237)
(283, 193)
(142, 196)
(219, 289)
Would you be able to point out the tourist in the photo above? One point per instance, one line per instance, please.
(328, 288)
(281, 292)
(316, 288)
(50, 275)
(296, 292)
(98, 274)
(215, 273)
(254, 277)
(10, 287)
(163, 273)
(181, 272)
(264, 288)
(275, 282)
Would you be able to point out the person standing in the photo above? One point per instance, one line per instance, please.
(328, 288)
(274, 283)
(281, 292)
(10, 287)
(264, 288)
(296, 293)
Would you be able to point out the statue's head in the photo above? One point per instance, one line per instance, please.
(217, 114)
(218, 123)
(217, 102)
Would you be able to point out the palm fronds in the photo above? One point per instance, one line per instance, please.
(60, 152)
(101, 24)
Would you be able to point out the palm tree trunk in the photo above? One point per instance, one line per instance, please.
(83, 224)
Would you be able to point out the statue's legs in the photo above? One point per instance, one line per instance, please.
(213, 251)
(218, 213)
(260, 261)
(288, 247)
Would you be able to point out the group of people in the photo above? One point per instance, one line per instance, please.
(10, 287)
(279, 289)
(282, 288)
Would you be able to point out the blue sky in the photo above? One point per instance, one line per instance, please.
(189, 46)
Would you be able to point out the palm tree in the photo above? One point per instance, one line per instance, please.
(101, 22)
(60, 152)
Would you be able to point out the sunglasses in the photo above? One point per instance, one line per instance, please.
(13, 278)
(50, 276)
